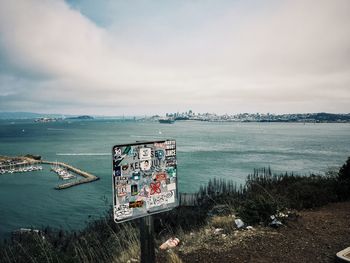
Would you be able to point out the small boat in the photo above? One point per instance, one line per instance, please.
(166, 121)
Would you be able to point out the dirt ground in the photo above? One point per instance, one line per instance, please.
(313, 236)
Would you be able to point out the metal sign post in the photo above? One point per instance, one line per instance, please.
(147, 240)
(144, 182)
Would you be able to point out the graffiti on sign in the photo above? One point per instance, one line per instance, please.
(144, 179)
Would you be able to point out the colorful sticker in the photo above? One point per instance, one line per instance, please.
(136, 204)
(160, 176)
(134, 189)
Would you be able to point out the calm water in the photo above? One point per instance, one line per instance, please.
(205, 150)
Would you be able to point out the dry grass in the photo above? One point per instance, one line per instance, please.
(173, 257)
(225, 222)
(130, 254)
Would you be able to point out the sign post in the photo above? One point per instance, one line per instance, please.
(147, 240)
(144, 183)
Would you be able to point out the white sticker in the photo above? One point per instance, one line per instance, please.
(171, 199)
(145, 154)
(123, 211)
(145, 165)
(171, 186)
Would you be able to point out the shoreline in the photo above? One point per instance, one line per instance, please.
(18, 161)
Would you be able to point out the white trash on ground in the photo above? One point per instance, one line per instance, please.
(170, 243)
(218, 231)
(239, 223)
(275, 222)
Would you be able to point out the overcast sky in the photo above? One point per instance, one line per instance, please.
(139, 57)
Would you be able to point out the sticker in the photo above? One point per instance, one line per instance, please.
(145, 165)
(163, 183)
(117, 152)
(145, 154)
(170, 145)
(159, 154)
(121, 180)
(157, 200)
(134, 189)
(171, 152)
(155, 188)
(117, 172)
(171, 197)
(128, 151)
(171, 171)
(160, 145)
(118, 156)
(136, 176)
(171, 186)
(123, 211)
(136, 204)
(121, 190)
(161, 177)
(125, 168)
(171, 161)
(144, 192)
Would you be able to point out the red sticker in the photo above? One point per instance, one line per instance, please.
(155, 188)
(160, 177)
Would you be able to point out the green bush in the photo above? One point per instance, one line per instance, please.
(343, 187)
(257, 209)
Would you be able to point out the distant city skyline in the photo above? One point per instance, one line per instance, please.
(153, 57)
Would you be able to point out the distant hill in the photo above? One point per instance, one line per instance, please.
(83, 117)
(26, 115)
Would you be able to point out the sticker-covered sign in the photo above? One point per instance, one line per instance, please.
(144, 179)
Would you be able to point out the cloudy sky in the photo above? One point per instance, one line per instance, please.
(139, 57)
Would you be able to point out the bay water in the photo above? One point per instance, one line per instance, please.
(204, 149)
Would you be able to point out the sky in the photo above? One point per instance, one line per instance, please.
(138, 57)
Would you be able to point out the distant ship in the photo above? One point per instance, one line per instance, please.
(166, 120)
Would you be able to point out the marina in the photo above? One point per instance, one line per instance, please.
(65, 171)
(21, 169)
(10, 165)
(62, 172)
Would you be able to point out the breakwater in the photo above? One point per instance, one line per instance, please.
(87, 176)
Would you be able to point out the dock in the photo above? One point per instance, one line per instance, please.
(87, 176)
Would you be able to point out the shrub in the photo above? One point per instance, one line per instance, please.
(343, 187)
(257, 209)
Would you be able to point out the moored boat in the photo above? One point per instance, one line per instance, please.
(166, 120)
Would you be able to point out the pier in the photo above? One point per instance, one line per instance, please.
(87, 176)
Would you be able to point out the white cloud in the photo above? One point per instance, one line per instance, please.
(295, 55)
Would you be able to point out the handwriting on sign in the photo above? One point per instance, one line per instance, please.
(157, 200)
(155, 188)
(123, 211)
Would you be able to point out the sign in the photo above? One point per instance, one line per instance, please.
(144, 179)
